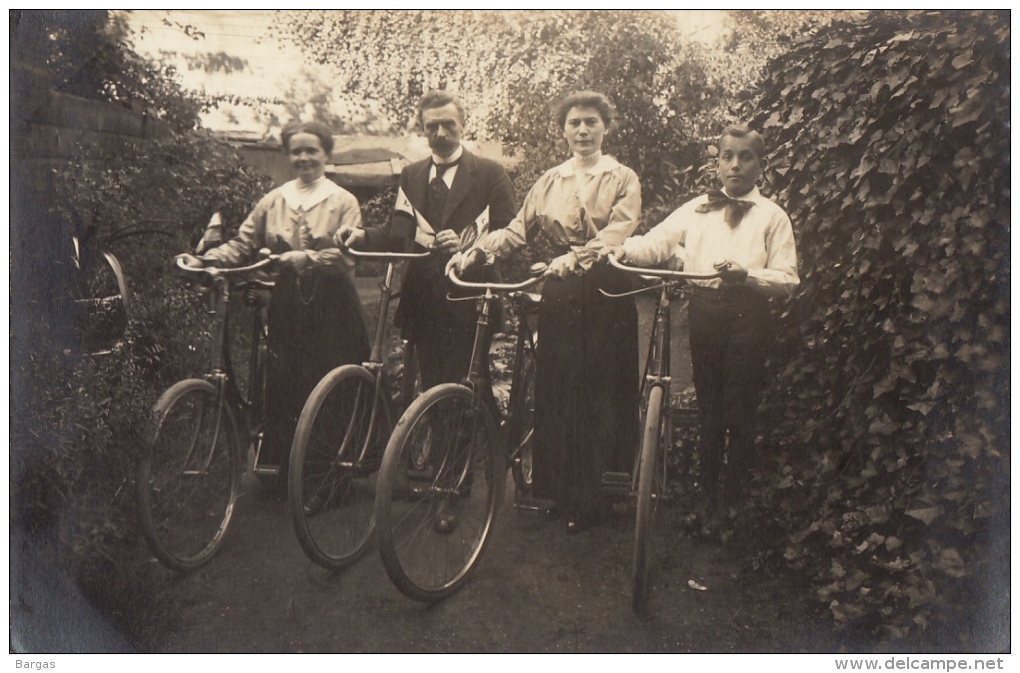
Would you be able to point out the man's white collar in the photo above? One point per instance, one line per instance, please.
(457, 153)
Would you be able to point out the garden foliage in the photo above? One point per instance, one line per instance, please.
(514, 68)
(75, 417)
(889, 410)
(886, 480)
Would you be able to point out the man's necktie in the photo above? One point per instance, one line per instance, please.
(437, 187)
(735, 208)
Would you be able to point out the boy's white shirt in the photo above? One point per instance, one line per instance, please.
(762, 242)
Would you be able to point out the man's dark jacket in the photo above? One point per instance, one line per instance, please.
(477, 184)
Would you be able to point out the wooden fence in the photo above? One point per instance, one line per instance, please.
(49, 267)
(357, 161)
(48, 137)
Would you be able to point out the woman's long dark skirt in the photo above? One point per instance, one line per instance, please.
(316, 323)
(586, 389)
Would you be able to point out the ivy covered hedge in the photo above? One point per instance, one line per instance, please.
(890, 397)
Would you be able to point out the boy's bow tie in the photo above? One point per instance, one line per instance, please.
(735, 208)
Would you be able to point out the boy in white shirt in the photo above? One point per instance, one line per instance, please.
(748, 239)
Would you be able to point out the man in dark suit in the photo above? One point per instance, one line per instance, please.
(444, 203)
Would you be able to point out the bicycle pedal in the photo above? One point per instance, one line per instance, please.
(411, 492)
(418, 475)
(530, 503)
(616, 482)
(268, 470)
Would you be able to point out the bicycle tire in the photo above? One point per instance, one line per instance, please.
(188, 475)
(334, 464)
(521, 423)
(648, 487)
(410, 388)
(424, 563)
(410, 377)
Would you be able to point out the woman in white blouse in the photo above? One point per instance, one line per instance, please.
(586, 407)
(315, 317)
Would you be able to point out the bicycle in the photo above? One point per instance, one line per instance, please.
(190, 468)
(339, 441)
(647, 482)
(447, 452)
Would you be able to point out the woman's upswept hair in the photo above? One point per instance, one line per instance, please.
(592, 99)
(318, 129)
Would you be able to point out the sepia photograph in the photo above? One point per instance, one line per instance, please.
(673, 332)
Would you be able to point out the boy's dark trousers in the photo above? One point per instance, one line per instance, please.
(730, 330)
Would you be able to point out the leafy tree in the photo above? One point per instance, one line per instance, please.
(89, 54)
(891, 400)
(210, 62)
(753, 38)
(311, 97)
(75, 421)
(515, 66)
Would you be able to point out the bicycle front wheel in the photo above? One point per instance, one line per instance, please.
(435, 517)
(188, 475)
(334, 465)
(650, 486)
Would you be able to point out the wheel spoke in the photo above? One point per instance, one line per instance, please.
(426, 557)
(187, 482)
(334, 464)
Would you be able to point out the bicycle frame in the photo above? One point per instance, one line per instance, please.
(527, 340)
(221, 374)
(483, 327)
(648, 479)
(657, 365)
(375, 364)
(476, 379)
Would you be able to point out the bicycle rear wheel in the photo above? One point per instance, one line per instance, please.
(650, 486)
(334, 465)
(522, 422)
(188, 475)
(465, 473)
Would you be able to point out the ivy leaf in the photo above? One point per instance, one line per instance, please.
(878, 514)
(883, 426)
(923, 407)
(924, 514)
(971, 445)
(969, 111)
(963, 60)
(951, 563)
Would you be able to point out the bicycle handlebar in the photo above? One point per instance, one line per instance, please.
(217, 272)
(508, 287)
(387, 256)
(662, 273)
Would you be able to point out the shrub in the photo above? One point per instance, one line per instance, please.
(75, 418)
(891, 394)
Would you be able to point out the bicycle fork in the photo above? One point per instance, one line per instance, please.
(657, 375)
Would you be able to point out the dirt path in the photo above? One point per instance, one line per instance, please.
(536, 590)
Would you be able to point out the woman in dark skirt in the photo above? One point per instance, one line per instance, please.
(587, 387)
(315, 319)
